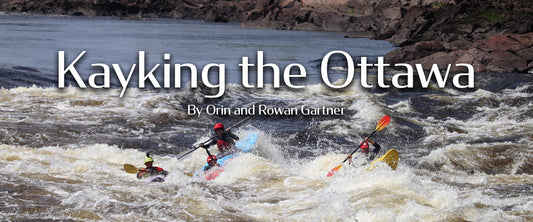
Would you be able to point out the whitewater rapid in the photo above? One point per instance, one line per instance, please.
(458, 169)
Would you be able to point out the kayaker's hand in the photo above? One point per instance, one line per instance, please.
(201, 144)
(369, 140)
(225, 132)
(349, 159)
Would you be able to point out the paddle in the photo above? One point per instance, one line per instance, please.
(209, 154)
(130, 168)
(381, 124)
(227, 129)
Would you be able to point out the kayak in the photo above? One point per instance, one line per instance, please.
(129, 168)
(156, 179)
(243, 146)
(152, 176)
(391, 158)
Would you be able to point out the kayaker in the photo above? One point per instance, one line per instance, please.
(365, 149)
(225, 141)
(211, 161)
(150, 170)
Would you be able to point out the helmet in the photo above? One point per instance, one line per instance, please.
(219, 126)
(364, 145)
(212, 157)
(148, 159)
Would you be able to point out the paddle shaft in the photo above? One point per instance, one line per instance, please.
(234, 125)
(359, 146)
(215, 136)
(381, 124)
(227, 130)
(208, 153)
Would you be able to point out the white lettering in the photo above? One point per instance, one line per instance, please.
(221, 79)
(150, 75)
(349, 73)
(105, 75)
(441, 82)
(71, 68)
(408, 74)
(469, 75)
(287, 75)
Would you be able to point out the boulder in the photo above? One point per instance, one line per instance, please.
(500, 53)
(414, 52)
(509, 52)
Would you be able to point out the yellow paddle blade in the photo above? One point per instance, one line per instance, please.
(332, 171)
(130, 168)
(382, 123)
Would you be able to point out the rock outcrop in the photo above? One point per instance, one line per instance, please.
(490, 35)
(377, 17)
(484, 33)
(208, 10)
(509, 52)
(500, 53)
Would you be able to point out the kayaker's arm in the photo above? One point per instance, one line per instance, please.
(376, 145)
(232, 136)
(142, 172)
(207, 145)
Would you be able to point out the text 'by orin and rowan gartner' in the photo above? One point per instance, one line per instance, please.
(265, 110)
(148, 75)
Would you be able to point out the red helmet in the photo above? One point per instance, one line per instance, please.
(212, 157)
(364, 145)
(219, 126)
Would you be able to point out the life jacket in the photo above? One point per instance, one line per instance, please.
(223, 146)
(146, 172)
(364, 147)
(159, 169)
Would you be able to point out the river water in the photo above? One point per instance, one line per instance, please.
(464, 154)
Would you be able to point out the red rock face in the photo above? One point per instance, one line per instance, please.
(492, 36)
(500, 53)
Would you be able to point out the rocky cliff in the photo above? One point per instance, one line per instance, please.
(493, 35)
(208, 10)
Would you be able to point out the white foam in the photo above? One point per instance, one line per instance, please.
(265, 184)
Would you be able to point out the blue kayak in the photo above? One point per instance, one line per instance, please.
(243, 146)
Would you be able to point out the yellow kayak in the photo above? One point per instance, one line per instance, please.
(391, 158)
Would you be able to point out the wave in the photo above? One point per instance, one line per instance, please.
(88, 183)
(464, 155)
